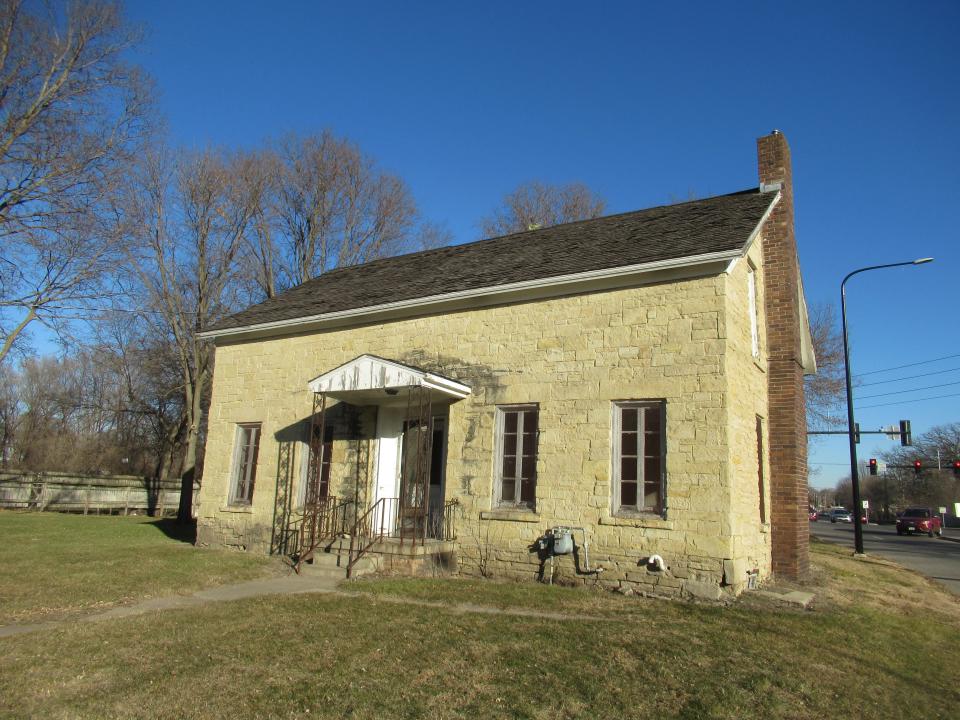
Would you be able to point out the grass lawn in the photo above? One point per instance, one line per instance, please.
(55, 566)
(878, 639)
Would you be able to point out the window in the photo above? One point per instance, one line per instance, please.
(516, 468)
(639, 452)
(760, 476)
(245, 464)
(754, 319)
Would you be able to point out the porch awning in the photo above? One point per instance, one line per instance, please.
(372, 380)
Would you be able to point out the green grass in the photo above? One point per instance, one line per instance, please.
(874, 642)
(55, 565)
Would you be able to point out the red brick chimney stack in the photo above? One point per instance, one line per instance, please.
(787, 421)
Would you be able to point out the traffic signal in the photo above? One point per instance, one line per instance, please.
(905, 438)
(873, 466)
(956, 467)
(856, 433)
(917, 466)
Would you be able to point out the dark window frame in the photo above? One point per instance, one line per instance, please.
(761, 472)
(517, 490)
(635, 436)
(246, 455)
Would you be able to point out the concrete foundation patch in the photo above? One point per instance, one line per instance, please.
(795, 597)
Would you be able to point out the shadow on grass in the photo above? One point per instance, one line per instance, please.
(186, 533)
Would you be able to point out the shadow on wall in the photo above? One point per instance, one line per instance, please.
(347, 424)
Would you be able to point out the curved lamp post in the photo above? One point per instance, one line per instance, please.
(854, 471)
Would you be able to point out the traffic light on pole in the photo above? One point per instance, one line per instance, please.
(905, 438)
(856, 433)
(917, 466)
(956, 468)
(873, 466)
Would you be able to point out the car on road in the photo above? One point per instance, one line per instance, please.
(841, 515)
(918, 520)
(812, 514)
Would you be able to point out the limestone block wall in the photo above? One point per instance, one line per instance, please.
(572, 356)
(747, 377)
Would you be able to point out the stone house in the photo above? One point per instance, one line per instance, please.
(617, 400)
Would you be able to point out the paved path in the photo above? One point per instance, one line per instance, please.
(936, 558)
(282, 585)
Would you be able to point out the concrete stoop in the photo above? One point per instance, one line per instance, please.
(333, 564)
(387, 555)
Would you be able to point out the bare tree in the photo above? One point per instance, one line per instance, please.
(190, 214)
(321, 203)
(536, 205)
(825, 392)
(71, 114)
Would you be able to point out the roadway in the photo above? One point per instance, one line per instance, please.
(936, 558)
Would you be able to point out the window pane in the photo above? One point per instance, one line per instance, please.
(628, 469)
(651, 499)
(628, 494)
(628, 443)
(509, 492)
(529, 466)
(528, 490)
(509, 444)
(530, 421)
(628, 419)
(510, 422)
(529, 443)
(652, 419)
(509, 468)
(651, 470)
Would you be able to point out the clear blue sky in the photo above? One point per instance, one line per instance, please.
(645, 105)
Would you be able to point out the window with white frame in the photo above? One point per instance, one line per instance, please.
(754, 318)
(639, 457)
(516, 456)
(246, 450)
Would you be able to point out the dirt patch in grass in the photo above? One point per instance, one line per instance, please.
(57, 566)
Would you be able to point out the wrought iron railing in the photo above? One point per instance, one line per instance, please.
(323, 520)
(378, 522)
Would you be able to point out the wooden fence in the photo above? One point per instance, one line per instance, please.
(91, 494)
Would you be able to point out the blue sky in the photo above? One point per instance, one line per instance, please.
(644, 104)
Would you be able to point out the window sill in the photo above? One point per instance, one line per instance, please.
(511, 515)
(639, 521)
(237, 509)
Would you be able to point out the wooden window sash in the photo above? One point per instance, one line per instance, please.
(245, 465)
(525, 417)
(640, 456)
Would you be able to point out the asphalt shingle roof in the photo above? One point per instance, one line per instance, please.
(716, 224)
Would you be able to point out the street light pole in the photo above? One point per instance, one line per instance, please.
(854, 470)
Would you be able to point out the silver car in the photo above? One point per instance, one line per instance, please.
(841, 515)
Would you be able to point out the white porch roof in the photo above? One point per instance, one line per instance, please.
(372, 380)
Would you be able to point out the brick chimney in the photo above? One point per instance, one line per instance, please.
(787, 421)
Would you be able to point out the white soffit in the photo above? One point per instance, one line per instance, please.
(369, 372)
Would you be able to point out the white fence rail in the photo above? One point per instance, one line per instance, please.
(90, 494)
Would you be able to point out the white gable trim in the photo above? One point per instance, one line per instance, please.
(369, 372)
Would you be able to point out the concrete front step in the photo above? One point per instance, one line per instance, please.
(334, 565)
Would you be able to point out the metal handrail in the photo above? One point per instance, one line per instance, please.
(372, 526)
(323, 520)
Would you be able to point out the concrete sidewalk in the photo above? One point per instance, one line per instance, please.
(290, 584)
